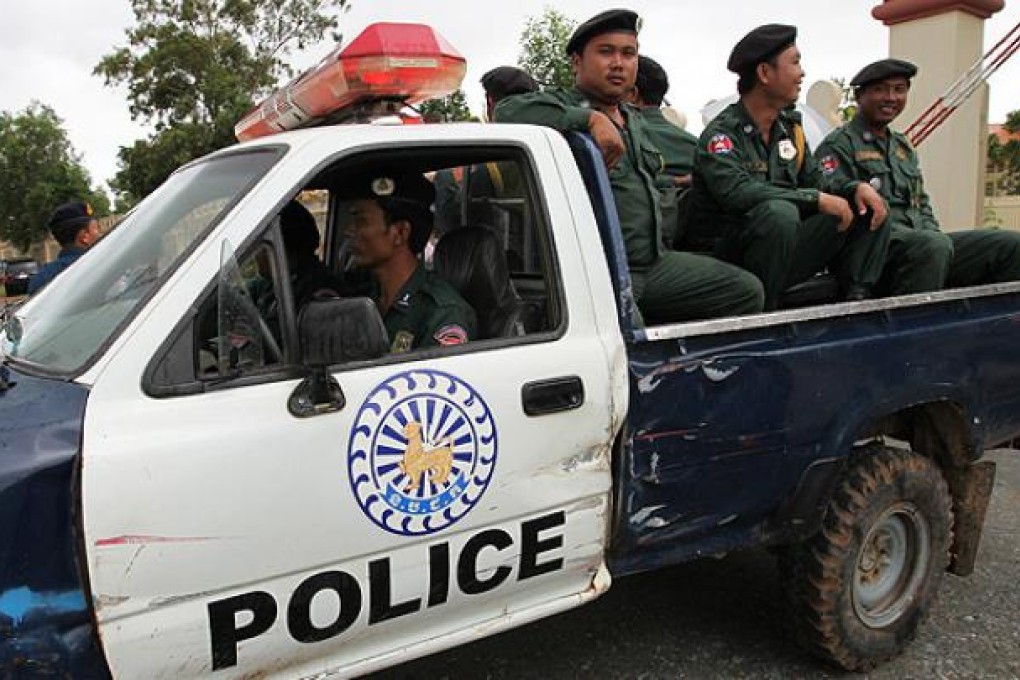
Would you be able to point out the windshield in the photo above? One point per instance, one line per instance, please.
(83, 309)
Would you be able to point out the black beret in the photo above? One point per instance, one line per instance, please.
(504, 81)
(610, 21)
(759, 45)
(882, 69)
(652, 82)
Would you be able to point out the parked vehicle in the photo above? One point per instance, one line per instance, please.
(15, 273)
(191, 488)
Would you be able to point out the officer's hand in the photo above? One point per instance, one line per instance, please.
(837, 207)
(607, 138)
(866, 199)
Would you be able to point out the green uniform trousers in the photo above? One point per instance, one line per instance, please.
(924, 260)
(685, 286)
(782, 250)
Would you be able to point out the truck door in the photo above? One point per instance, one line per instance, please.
(444, 493)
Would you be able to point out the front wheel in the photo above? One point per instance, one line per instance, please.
(859, 589)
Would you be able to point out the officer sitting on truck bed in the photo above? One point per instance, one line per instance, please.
(668, 285)
(391, 221)
(758, 198)
(921, 258)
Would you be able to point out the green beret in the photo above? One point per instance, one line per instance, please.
(882, 69)
(504, 81)
(610, 21)
(760, 45)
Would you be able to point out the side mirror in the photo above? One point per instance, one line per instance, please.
(334, 331)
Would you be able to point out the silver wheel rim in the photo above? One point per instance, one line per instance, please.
(891, 565)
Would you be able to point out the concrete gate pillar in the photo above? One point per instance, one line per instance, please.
(945, 38)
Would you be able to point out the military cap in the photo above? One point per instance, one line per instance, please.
(404, 196)
(882, 69)
(71, 214)
(610, 21)
(68, 219)
(759, 45)
(652, 82)
(504, 81)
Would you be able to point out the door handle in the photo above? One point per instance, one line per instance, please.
(543, 397)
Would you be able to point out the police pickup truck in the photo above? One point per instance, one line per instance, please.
(190, 485)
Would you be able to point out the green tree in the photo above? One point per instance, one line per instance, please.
(543, 48)
(39, 169)
(192, 68)
(1003, 165)
(448, 109)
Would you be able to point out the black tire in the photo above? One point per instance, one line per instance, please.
(859, 589)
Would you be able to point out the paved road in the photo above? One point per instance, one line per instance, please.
(720, 619)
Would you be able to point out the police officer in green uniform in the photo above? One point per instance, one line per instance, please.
(674, 143)
(391, 221)
(758, 198)
(921, 258)
(668, 286)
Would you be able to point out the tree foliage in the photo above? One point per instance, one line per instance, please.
(39, 170)
(192, 68)
(449, 109)
(1003, 168)
(543, 48)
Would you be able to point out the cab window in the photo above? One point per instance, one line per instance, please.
(488, 256)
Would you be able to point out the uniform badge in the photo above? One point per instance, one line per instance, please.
(787, 151)
(830, 164)
(450, 335)
(402, 342)
(422, 452)
(404, 300)
(901, 153)
(383, 186)
(720, 145)
(868, 155)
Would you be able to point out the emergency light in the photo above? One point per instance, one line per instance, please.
(386, 67)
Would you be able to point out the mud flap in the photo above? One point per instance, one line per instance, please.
(971, 488)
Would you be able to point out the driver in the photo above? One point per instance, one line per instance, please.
(391, 221)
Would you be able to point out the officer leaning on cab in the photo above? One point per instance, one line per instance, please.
(921, 258)
(668, 285)
(759, 199)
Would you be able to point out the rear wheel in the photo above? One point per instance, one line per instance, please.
(859, 589)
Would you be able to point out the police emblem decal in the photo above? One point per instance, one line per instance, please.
(830, 164)
(720, 144)
(422, 452)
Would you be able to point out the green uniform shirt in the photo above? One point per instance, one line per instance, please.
(735, 170)
(889, 164)
(633, 180)
(676, 145)
(427, 312)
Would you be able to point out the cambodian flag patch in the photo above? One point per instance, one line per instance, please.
(720, 145)
(830, 164)
(450, 335)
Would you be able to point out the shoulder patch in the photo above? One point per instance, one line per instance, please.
(720, 145)
(450, 335)
(830, 164)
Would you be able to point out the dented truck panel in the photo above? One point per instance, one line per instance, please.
(723, 429)
(46, 627)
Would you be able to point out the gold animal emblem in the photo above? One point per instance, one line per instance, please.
(417, 461)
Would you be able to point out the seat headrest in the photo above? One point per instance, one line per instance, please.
(472, 260)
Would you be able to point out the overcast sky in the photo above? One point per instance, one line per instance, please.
(50, 47)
